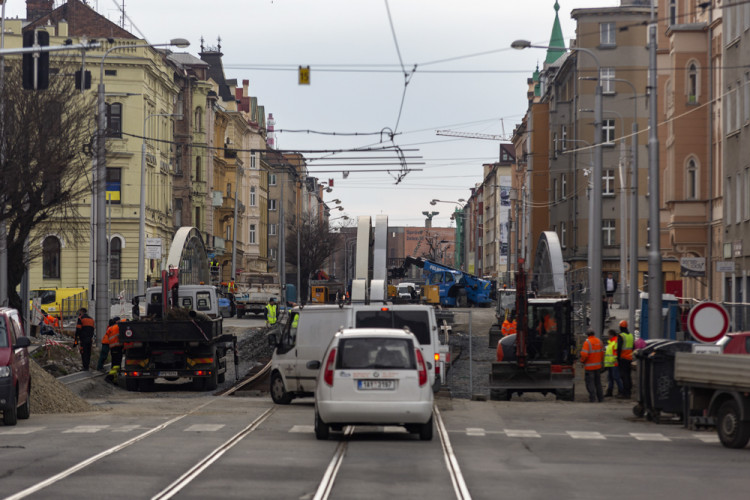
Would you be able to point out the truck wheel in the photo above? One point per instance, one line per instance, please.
(278, 391)
(733, 432)
(9, 415)
(24, 411)
(322, 431)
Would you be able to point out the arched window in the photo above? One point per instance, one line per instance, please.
(198, 168)
(198, 122)
(692, 84)
(691, 182)
(51, 258)
(115, 258)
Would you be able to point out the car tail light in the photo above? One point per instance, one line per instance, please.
(328, 373)
(422, 368)
(437, 363)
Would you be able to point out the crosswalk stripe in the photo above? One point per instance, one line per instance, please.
(707, 438)
(475, 431)
(127, 428)
(585, 435)
(302, 428)
(21, 430)
(204, 428)
(643, 436)
(85, 429)
(521, 433)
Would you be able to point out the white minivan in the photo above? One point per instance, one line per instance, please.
(315, 327)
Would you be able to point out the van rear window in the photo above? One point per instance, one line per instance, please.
(417, 321)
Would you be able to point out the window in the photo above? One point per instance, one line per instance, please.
(738, 199)
(692, 180)
(114, 120)
(271, 179)
(555, 147)
(608, 83)
(178, 212)
(555, 192)
(228, 232)
(197, 222)
(274, 254)
(229, 189)
(607, 34)
(272, 229)
(51, 258)
(692, 84)
(747, 92)
(115, 253)
(608, 182)
(608, 232)
(563, 234)
(736, 102)
(564, 186)
(746, 195)
(252, 234)
(608, 131)
(198, 169)
(114, 185)
(672, 12)
(253, 162)
(198, 122)
(728, 201)
(564, 137)
(271, 204)
(203, 301)
(253, 201)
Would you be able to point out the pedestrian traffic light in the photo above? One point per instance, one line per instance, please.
(86, 80)
(36, 64)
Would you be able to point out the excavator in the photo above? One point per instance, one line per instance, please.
(540, 357)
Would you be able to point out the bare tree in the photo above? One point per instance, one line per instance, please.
(317, 243)
(43, 165)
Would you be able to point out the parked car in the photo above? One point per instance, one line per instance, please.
(372, 376)
(15, 376)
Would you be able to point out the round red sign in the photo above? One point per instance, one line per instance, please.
(708, 322)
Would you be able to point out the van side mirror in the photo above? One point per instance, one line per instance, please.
(273, 340)
(22, 342)
(313, 365)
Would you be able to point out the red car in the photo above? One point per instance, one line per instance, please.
(736, 343)
(15, 375)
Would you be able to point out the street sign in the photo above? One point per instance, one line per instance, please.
(725, 266)
(708, 322)
(153, 248)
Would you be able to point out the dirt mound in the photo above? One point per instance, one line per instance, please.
(49, 395)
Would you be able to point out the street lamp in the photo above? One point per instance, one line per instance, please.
(595, 223)
(101, 277)
(142, 221)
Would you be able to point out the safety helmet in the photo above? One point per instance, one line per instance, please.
(623, 324)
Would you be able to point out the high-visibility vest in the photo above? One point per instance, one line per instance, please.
(610, 354)
(592, 354)
(513, 327)
(628, 341)
(295, 321)
(50, 320)
(505, 330)
(271, 314)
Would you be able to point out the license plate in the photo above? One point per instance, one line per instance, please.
(167, 374)
(376, 385)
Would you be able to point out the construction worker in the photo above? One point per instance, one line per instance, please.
(610, 364)
(271, 312)
(84, 336)
(115, 347)
(592, 356)
(625, 345)
(513, 326)
(104, 352)
(505, 329)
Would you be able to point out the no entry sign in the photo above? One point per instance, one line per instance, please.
(708, 322)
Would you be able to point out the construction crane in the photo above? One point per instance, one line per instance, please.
(471, 135)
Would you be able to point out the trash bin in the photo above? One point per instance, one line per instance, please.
(643, 369)
(666, 395)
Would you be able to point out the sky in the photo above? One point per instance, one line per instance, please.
(467, 79)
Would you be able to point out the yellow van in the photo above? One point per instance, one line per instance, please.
(59, 302)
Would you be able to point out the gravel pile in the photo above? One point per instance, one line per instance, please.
(49, 395)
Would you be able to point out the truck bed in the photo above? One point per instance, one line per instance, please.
(172, 331)
(730, 371)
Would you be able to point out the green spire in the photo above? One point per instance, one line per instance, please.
(555, 40)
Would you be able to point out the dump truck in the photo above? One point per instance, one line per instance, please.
(718, 388)
(179, 337)
(253, 290)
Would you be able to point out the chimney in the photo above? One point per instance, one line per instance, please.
(38, 8)
(245, 88)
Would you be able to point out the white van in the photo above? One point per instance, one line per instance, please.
(290, 376)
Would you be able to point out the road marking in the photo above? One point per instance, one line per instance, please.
(303, 428)
(85, 429)
(126, 428)
(475, 431)
(326, 484)
(451, 462)
(204, 427)
(585, 435)
(642, 436)
(707, 438)
(22, 430)
(519, 433)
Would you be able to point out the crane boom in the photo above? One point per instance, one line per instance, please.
(471, 135)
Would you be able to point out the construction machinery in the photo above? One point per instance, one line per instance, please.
(540, 357)
(455, 288)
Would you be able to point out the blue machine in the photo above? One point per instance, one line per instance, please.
(456, 288)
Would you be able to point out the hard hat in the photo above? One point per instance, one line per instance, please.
(623, 324)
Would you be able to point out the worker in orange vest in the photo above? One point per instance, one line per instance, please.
(505, 330)
(625, 345)
(104, 352)
(115, 347)
(592, 357)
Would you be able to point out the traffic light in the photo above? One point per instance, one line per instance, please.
(86, 80)
(36, 65)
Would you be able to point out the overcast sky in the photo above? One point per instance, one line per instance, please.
(357, 84)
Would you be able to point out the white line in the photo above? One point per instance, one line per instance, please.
(303, 428)
(204, 428)
(521, 433)
(475, 431)
(326, 484)
(81, 465)
(459, 485)
(21, 430)
(85, 429)
(642, 436)
(585, 435)
(194, 471)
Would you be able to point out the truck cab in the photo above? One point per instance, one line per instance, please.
(199, 298)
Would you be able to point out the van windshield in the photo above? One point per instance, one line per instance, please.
(417, 321)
